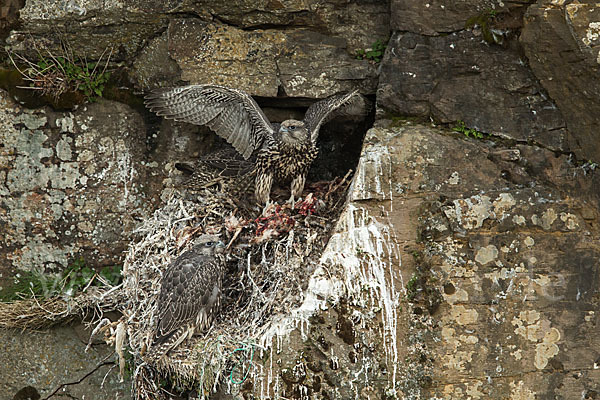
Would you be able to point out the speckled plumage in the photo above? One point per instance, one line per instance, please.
(225, 167)
(282, 153)
(190, 294)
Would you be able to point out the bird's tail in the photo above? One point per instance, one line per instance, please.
(162, 346)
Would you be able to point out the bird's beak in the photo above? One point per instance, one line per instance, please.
(283, 129)
(220, 247)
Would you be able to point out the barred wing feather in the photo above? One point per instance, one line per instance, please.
(231, 113)
(351, 103)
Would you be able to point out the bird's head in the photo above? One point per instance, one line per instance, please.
(209, 245)
(293, 131)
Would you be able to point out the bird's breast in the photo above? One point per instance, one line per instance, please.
(290, 165)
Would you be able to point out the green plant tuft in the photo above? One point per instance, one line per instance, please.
(468, 132)
(80, 75)
(411, 287)
(374, 53)
(74, 278)
(56, 74)
(484, 21)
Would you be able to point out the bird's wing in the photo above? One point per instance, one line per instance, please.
(351, 103)
(186, 286)
(227, 161)
(232, 114)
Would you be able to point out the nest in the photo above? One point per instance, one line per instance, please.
(268, 264)
(269, 261)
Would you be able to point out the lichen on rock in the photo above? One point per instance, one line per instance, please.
(71, 184)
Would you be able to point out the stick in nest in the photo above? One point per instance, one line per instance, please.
(334, 187)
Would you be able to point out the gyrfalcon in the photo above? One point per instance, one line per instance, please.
(190, 294)
(281, 152)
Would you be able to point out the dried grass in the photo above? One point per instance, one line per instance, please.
(56, 74)
(268, 264)
(269, 261)
(38, 314)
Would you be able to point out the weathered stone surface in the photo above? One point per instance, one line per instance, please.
(210, 53)
(360, 23)
(562, 43)
(460, 77)
(71, 184)
(45, 360)
(336, 70)
(301, 63)
(89, 28)
(515, 264)
(585, 22)
(438, 16)
(153, 67)
(328, 358)
(257, 14)
(231, 45)
(9, 14)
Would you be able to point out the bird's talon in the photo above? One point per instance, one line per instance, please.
(266, 208)
(291, 201)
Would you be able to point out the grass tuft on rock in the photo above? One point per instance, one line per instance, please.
(57, 75)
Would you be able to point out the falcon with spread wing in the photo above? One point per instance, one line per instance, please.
(190, 294)
(281, 152)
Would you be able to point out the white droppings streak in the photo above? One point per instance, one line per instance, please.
(127, 174)
(358, 256)
(373, 178)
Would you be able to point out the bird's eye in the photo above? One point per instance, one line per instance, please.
(292, 127)
(209, 244)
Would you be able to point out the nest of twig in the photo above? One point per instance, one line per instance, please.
(269, 261)
(270, 258)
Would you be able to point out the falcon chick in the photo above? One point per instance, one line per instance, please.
(225, 168)
(190, 294)
(282, 153)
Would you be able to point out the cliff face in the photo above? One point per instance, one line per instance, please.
(510, 267)
(465, 260)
